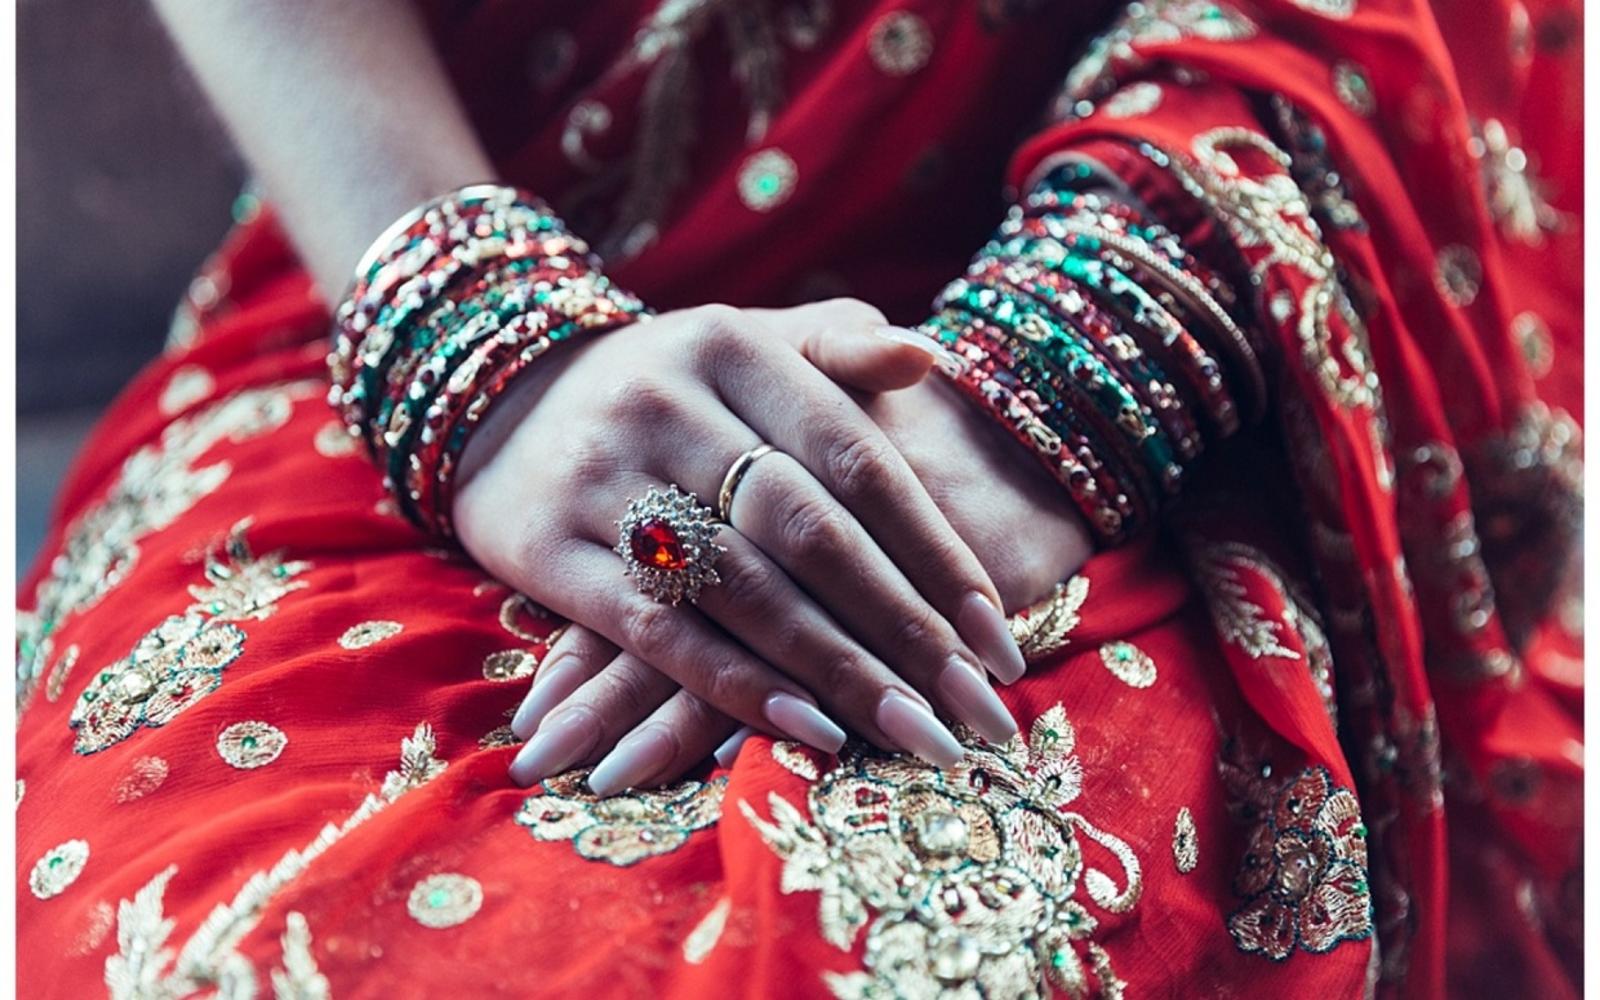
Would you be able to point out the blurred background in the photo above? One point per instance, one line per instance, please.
(124, 182)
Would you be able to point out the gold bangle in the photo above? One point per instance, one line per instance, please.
(730, 482)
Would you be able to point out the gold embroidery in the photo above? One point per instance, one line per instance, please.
(968, 878)
(1043, 629)
(59, 868)
(1185, 842)
(707, 932)
(249, 745)
(211, 956)
(180, 661)
(369, 634)
(444, 900)
(514, 607)
(1304, 872)
(158, 484)
(144, 776)
(623, 829)
(1129, 664)
(188, 385)
(57, 681)
(299, 978)
(509, 665)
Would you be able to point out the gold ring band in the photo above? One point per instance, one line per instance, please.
(736, 473)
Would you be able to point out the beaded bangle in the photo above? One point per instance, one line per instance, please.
(448, 306)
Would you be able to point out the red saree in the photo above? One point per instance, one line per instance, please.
(1276, 749)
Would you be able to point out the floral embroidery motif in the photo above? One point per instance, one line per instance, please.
(59, 868)
(369, 634)
(188, 385)
(145, 967)
(1043, 629)
(144, 776)
(1151, 22)
(624, 829)
(1515, 195)
(180, 661)
(1185, 842)
(444, 900)
(766, 180)
(158, 483)
(1304, 872)
(966, 880)
(1129, 664)
(517, 606)
(1133, 100)
(900, 43)
(249, 745)
(707, 932)
(509, 665)
(299, 978)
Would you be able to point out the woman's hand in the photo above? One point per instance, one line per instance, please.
(841, 577)
(997, 498)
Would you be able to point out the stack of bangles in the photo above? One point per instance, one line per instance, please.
(1104, 346)
(447, 307)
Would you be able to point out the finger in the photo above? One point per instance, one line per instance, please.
(676, 737)
(574, 658)
(728, 752)
(593, 718)
(797, 409)
(791, 518)
(853, 344)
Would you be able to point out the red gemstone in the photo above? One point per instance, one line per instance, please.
(654, 543)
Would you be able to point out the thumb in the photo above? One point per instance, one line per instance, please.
(870, 359)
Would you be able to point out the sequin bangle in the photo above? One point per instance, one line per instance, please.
(447, 307)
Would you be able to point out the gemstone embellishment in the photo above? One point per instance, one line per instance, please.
(444, 900)
(59, 868)
(766, 180)
(667, 544)
(249, 745)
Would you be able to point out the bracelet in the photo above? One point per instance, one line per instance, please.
(447, 307)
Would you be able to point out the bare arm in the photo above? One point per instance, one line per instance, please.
(342, 109)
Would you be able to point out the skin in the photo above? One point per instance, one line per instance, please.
(854, 555)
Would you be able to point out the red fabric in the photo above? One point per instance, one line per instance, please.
(1201, 678)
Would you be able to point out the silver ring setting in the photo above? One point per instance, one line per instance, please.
(667, 541)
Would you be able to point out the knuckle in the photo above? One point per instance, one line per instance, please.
(643, 402)
(722, 340)
(745, 587)
(625, 694)
(725, 682)
(843, 674)
(914, 631)
(857, 468)
(648, 628)
(814, 524)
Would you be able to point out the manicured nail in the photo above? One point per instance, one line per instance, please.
(799, 719)
(984, 628)
(563, 739)
(911, 338)
(969, 695)
(639, 755)
(913, 727)
(550, 688)
(729, 751)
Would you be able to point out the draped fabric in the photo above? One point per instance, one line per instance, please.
(1279, 747)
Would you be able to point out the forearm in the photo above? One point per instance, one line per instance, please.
(343, 111)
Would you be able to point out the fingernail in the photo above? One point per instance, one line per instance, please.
(640, 754)
(550, 688)
(913, 727)
(799, 719)
(911, 338)
(967, 691)
(729, 751)
(560, 742)
(984, 628)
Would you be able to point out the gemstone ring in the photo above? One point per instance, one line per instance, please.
(667, 543)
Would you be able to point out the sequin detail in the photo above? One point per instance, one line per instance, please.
(1129, 664)
(1185, 842)
(444, 900)
(188, 385)
(900, 43)
(144, 776)
(623, 829)
(369, 634)
(509, 665)
(181, 661)
(1045, 627)
(1532, 335)
(767, 180)
(58, 869)
(1353, 88)
(966, 881)
(57, 681)
(707, 932)
(249, 745)
(1458, 275)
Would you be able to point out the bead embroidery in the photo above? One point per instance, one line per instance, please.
(1046, 626)
(187, 386)
(332, 440)
(59, 868)
(144, 776)
(299, 978)
(707, 932)
(1129, 664)
(1458, 275)
(444, 900)
(249, 745)
(509, 665)
(182, 660)
(900, 43)
(1354, 90)
(965, 880)
(369, 634)
(1532, 335)
(1133, 100)
(57, 681)
(1185, 842)
(624, 829)
(766, 180)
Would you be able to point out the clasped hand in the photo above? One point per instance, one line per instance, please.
(867, 563)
